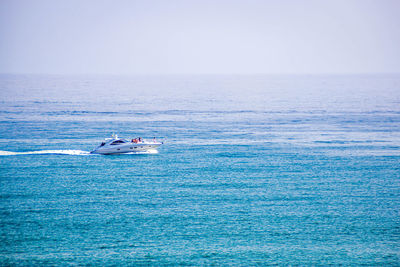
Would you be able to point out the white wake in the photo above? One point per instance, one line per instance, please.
(150, 151)
(67, 152)
(45, 152)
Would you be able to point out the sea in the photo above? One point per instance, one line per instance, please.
(255, 170)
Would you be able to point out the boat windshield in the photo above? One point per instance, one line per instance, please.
(118, 142)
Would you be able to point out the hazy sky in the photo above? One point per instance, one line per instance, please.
(204, 36)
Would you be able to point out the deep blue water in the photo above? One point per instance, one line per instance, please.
(255, 170)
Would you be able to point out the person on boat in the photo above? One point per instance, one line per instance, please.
(140, 139)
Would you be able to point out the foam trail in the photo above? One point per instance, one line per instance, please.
(45, 152)
(150, 151)
(66, 152)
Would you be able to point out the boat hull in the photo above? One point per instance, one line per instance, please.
(126, 148)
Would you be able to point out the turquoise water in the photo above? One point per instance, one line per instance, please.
(255, 170)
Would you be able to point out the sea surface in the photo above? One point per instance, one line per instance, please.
(254, 170)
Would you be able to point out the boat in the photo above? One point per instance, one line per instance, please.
(115, 145)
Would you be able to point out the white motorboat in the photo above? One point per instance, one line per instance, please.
(117, 145)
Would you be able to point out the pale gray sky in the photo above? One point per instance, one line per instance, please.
(196, 37)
